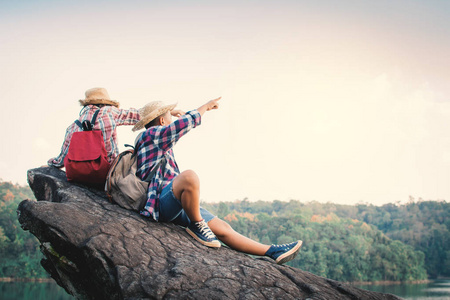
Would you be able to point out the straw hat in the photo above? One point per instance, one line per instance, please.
(98, 96)
(151, 111)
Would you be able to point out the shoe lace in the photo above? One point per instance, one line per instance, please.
(281, 246)
(205, 230)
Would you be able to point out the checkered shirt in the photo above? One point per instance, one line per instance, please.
(152, 145)
(108, 119)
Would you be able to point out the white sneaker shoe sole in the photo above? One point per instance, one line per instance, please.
(290, 255)
(213, 244)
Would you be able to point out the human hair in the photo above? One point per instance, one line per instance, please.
(154, 122)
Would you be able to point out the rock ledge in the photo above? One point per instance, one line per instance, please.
(97, 250)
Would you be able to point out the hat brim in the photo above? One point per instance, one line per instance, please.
(99, 101)
(153, 115)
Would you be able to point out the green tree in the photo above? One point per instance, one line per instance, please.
(19, 249)
(335, 246)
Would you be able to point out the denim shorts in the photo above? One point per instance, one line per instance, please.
(170, 209)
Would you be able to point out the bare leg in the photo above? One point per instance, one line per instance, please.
(186, 187)
(235, 240)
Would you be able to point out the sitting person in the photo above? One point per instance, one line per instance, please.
(109, 117)
(175, 197)
(90, 143)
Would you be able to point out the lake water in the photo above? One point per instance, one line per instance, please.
(33, 290)
(436, 290)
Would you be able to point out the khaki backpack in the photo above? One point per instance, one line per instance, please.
(123, 187)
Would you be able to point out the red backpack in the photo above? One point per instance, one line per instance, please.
(87, 161)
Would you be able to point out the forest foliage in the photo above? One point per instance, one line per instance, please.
(19, 250)
(343, 242)
(360, 242)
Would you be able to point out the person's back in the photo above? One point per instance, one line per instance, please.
(108, 118)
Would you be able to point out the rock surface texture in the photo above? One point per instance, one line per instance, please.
(97, 250)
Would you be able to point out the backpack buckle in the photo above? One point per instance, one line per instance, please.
(87, 126)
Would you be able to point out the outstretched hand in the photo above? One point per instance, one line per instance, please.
(213, 104)
(210, 105)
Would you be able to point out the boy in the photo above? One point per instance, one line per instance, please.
(174, 196)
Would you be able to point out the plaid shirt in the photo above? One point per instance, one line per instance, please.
(108, 119)
(151, 146)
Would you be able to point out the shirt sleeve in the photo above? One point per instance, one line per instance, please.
(127, 116)
(165, 137)
(58, 161)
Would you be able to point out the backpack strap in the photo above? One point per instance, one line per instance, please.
(94, 118)
(152, 173)
(135, 144)
(79, 124)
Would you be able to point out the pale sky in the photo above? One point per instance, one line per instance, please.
(340, 101)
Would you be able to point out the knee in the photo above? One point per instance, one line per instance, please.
(189, 180)
(222, 228)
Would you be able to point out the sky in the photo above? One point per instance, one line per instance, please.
(330, 101)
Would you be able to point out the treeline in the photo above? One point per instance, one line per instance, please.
(342, 242)
(425, 225)
(19, 250)
(352, 242)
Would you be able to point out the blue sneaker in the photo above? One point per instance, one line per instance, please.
(284, 253)
(202, 233)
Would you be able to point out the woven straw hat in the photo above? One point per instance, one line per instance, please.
(151, 111)
(98, 96)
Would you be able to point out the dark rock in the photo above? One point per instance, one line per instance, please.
(97, 250)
